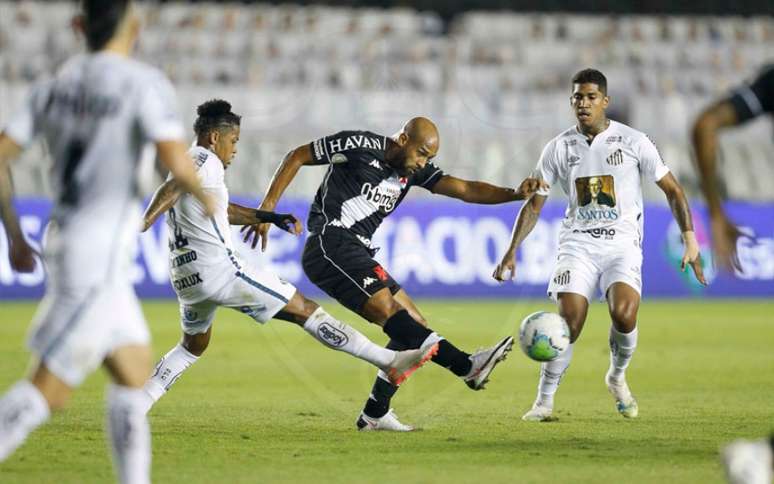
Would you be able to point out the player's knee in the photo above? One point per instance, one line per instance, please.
(624, 315)
(380, 310)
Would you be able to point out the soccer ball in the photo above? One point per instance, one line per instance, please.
(544, 336)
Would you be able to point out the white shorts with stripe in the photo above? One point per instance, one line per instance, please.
(258, 293)
(589, 266)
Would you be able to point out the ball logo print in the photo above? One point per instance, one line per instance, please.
(332, 335)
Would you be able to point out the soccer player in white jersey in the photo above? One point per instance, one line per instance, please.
(98, 114)
(600, 165)
(207, 273)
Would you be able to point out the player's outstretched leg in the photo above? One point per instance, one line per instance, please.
(623, 303)
(25, 407)
(127, 425)
(397, 366)
(403, 323)
(573, 308)
(172, 365)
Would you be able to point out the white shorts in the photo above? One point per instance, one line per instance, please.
(590, 267)
(75, 329)
(259, 294)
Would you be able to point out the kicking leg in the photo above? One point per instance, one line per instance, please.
(397, 366)
(573, 308)
(127, 424)
(27, 405)
(623, 303)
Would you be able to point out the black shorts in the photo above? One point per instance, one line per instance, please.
(345, 269)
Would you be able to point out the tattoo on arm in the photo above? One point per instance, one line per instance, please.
(525, 222)
(680, 210)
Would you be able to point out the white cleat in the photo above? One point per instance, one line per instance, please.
(484, 362)
(388, 422)
(407, 362)
(625, 402)
(539, 413)
(748, 462)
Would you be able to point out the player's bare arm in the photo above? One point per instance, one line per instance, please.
(163, 199)
(174, 157)
(20, 253)
(284, 175)
(705, 144)
(486, 193)
(682, 214)
(239, 215)
(525, 222)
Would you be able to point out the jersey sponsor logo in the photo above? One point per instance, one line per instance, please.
(573, 160)
(353, 142)
(201, 158)
(332, 336)
(376, 164)
(613, 139)
(607, 234)
(368, 281)
(187, 281)
(570, 142)
(563, 278)
(318, 149)
(381, 273)
(380, 196)
(184, 259)
(77, 102)
(190, 315)
(616, 158)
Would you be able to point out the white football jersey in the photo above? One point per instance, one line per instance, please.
(602, 180)
(98, 115)
(202, 257)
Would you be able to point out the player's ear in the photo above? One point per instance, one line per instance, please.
(213, 137)
(403, 139)
(605, 101)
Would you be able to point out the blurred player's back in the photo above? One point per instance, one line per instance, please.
(97, 117)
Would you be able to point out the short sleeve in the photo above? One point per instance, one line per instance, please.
(347, 146)
(753, 99)
(23, 126)
(427, 177)
(652, 164)
(547, 166)
(159, 117)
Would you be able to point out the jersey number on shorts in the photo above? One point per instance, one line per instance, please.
(180, 239)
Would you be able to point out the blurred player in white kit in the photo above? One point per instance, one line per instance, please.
(98, 115)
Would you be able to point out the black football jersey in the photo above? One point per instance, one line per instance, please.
(359, 189)
(756, 98)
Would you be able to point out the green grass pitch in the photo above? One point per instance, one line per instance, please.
(269, 404)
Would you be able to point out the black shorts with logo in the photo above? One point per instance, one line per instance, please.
(339, 264)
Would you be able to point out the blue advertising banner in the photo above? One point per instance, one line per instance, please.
(444, 248)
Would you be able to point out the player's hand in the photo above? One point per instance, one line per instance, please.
(692, 257)
(289, 223)
(529, 187)
(506, 269)
(21, 256)
(256, 232)
(724, 237)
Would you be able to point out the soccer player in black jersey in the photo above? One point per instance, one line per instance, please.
(744, 461)
(368, 175)
(746, 102)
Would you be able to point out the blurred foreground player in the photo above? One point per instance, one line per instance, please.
(600, 242)
(746, 102)
(207, 273)
(747, 462)
(97, 115)
(368, 176)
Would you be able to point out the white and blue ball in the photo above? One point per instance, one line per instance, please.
(544, 336)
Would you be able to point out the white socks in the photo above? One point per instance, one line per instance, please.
(551, 373)
(167, 371)
(340, 336)
(622, 346)
(129, 434)
(22, 409)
